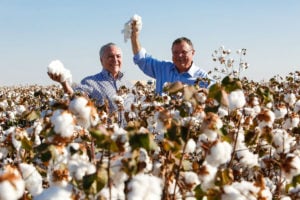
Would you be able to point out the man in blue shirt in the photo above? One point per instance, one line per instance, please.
(181, 69)
(103, 85)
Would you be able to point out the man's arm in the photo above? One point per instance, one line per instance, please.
(135, 43)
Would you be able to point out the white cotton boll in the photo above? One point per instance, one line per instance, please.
(208, 136)
(55, 193)
(222, 111)
(291, 122)
(33, 179)
(3, 152)
(219, 153)
(231, 193)
(171, 189)
(207, 178)
(10, 191)
(57, 67)
(243, 190)
(266, 118)
(20, 109)
(118, 100)
(297, 106)
(294, 167)
(285, 197)
(128, 101)
(247, 158)
(80, 168)
(86, 114)
(110, 193)
(280, 112)
(290, 98)
(156, 170)
(282, 140)
(63, 123)
(191, 178)
(143, 157)
(190, 146)
(12, 186)
(3, 104)
(127, 26)
(144, 186)
(118, 176)
(236, 99)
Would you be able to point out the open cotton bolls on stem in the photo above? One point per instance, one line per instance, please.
(63, 123)
(85, 112)
(144, 186)
(12, 186)
(33, 179)
(236, 99)
(219, 153)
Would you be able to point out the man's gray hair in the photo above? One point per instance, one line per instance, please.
(104, 47)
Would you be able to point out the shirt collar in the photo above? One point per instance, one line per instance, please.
(108, 74)
(190, 72)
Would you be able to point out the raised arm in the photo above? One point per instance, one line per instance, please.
(135, 43)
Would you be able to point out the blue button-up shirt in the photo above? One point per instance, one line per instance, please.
(165, 71)
(103, 86)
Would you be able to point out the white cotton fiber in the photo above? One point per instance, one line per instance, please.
(57, 67)
(127, 26)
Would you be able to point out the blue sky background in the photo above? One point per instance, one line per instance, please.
(35, 32)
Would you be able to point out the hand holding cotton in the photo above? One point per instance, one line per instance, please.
(128, 26)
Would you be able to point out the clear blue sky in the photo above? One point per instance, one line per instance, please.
(35, 32)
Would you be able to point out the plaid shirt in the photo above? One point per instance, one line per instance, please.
(103, 86)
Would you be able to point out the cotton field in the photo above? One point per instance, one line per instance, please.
(238, 139)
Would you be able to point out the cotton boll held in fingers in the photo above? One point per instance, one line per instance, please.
(128, 26)
(56, 67)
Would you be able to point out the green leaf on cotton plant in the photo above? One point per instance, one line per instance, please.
(104, 141)
(44, 152)
(265, 94)
(295, 181)
(26, 144)
(230, 84)
(217, 94)
(88, 180)
(32, 115)
(139, 140)
(224, 177)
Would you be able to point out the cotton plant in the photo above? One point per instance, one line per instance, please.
(280, 110)
(12, 185)
(227, 63)
(33, 179)
(85, 112)
(236, 99)
(58, 68)
(283, 141)
(245, 190)
(145, 186)
(56, 192)
(291, 121)
(219, 153)
(63, 122)
(78, 162)
(128, 26)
